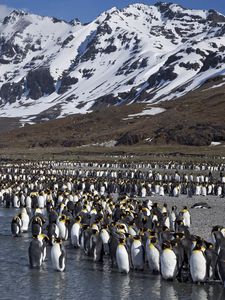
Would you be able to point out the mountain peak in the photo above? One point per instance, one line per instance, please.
(75, 22)
(14, 15)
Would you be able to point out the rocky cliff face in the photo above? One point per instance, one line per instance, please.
(138, 54)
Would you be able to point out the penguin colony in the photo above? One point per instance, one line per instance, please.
(62, 203)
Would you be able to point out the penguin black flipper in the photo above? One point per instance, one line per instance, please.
(15, 229)
(158, 247)
(143, 251)
(62, 256)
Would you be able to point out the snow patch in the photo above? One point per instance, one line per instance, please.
(147, 112)
(215, 143)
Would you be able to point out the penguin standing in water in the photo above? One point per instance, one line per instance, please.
(36, 225)
(96, 246)
(16, 226)
(198, 264)
(25, 220)
(37, 222)
(137, 253)
(105, 239)
(113, 244)
(43, 240)
(35, 252)
(153, 255)
(76, 232)
(122, 257)
(62, 225)
(53, 232)
(168, 262)
(58, 256)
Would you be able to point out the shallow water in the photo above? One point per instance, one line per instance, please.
(82, 279)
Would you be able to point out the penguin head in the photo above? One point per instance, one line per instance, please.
(94, 231)
(122, 241)
(78, 219)
(153, 240)
(58, 241)
(84, 226)
(136, 238)
(166, 245)
(209, 246)
(217, 228)
(63, 218)
(180, 222)
(174, 242)
(198, 246)
(165, 228)
(152, 233)
(43, 237)
(174, 208)
(105, 226)
(179, 235)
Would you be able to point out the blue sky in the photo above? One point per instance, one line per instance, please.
(87, 10)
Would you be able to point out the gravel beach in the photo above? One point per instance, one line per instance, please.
(202, 219)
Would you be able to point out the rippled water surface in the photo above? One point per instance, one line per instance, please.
(82, 279)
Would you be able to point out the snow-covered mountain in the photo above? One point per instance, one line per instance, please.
(50, 68)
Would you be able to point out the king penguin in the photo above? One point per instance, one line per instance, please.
(153, 255)
(16, 226)
(198, 264)
(25, 220)
(122, 257)
(43, 240)
(58, 255)
(168, 262)
(35, 252)
(62, 225)
(76, 232)
(104, 234)
(137, 253)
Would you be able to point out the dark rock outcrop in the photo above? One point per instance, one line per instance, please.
(10, 92)
(39, 83)
(194, 135)
(130, 138)
(66, 82)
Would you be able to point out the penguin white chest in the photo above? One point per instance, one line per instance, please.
(153, 258)
(55, 257)
(75, 234)
(63, 231)
(25, 222)
(122, 259)
(198, 266)
(187, 219)
(168, 262)
(137, 255)
(104, 236)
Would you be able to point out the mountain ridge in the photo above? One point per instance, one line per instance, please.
(51, 68)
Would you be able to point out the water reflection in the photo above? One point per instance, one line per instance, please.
(199, 293)
(168, 291)
(124, 287)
